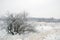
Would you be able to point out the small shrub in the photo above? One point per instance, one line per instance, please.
(19, 24)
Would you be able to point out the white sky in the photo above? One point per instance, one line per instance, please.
(36, 8)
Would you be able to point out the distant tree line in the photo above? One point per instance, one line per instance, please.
(45, 20)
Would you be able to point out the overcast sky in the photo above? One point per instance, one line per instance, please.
(36, 8)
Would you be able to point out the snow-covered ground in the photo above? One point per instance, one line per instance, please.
(45, 31)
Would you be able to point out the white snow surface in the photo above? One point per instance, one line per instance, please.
(46, 31)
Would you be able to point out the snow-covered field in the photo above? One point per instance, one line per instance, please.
(45, 31)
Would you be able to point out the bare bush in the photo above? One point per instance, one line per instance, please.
(19, 24)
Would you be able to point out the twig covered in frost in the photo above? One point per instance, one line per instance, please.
(19, 24)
